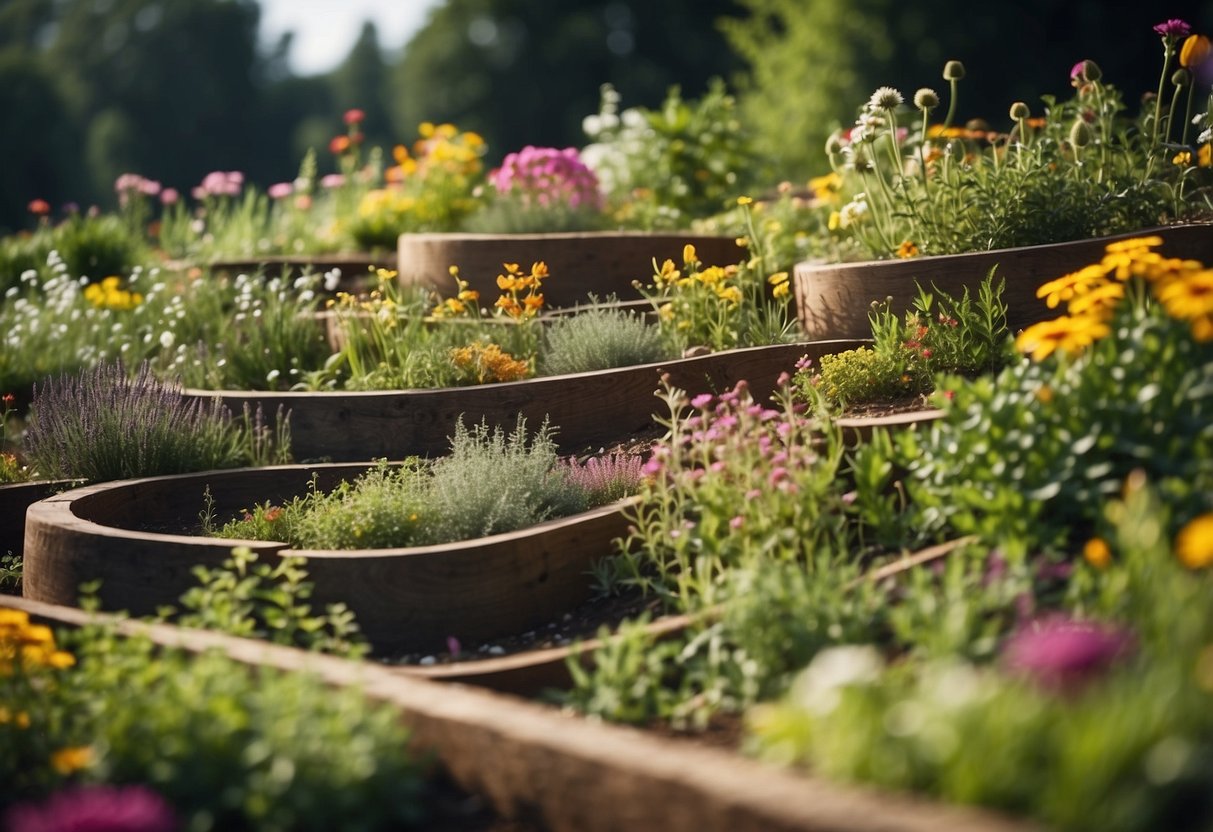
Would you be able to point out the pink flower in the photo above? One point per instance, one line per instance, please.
(333, 180)
(95, 809)
(1063, 654)
(170, 196)
(354, 116)
(737, 522)
(701, 401)
(1173, 28)
(280, 190)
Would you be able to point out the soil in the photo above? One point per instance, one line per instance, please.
(580, 624)
(906, 405)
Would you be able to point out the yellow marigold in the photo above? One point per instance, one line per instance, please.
(907, 250)
(1068, 334)
(12, 619)
(1097, 553)
(1133, 244)
(1067, 286)
(68, 760)
(1194, 543)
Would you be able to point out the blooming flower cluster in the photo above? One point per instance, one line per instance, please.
(521, 297)
(131, 184)
(25, 646)
(547, 177)
(111, 294)
(219, 183)
(95, 809)
(482, 363)
(1184, 288)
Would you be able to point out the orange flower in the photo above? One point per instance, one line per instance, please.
(339, 145)
(39, 207)
(907, 250)
(1194, 543)
(1097, 553)
(1194, 51)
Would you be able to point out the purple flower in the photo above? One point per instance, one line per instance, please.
(1173, 28)
(95, 809)
(1062, 654)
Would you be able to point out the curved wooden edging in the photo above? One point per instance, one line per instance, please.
(576, 775)
(15, 499)
(404, 599)
(581, 263)
(589, 410)
(833, 300)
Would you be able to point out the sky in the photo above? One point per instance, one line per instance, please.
(325, 30)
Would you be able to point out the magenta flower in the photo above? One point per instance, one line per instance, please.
(1063, 654)
(546, 177)
(1173, 28)
(95, 809)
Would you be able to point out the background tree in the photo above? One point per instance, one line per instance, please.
(528, 71)
(812, 63)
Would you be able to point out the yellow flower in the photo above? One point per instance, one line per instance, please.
(1068, 334)
(1133, 244)
(688, 256)
(729, 294)
(1194, 543)
(1097, 301)
(69, 760)
(781, 291)
(13, 619)
(826, 188)
(666, 312)
(1097, 553)
(907, 250)
(1182, 159)
(1194, 51)
(744, 200)
(1067, 286)
(835, 221)
(20, 718)
(1188, 297)
(1204, 156)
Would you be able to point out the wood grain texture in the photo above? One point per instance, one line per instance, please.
(135, 537)
(833, 300)
(602, 263)
(589, 410)
(569, 774)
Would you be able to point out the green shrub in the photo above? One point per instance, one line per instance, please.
(600, 339)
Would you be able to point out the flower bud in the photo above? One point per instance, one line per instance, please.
(1089, 71)
(926, 99)
(833, 144)
(1020, 111)
(1181, 77)
(1080, 134)
(1194, 51)
(953, 71)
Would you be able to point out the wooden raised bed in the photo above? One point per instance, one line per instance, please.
(833, 299)
(565, 773)
(15, 498)
(603, 263)
(134, 536)
(589, 409)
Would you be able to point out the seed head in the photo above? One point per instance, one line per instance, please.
(1020, 111)
(953, 71)
(885, 98)
(926, 99)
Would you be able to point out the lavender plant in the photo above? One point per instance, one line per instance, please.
(103, 425)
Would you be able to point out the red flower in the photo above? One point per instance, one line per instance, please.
(39, 207)
(354, 116)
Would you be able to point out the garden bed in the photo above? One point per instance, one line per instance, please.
(602, 263)
(563, 773)
(834, 299)
(590, 409)
(138, 537)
